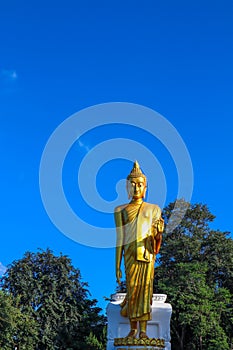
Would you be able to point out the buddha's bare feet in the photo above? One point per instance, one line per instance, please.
(143, 335)
(132, 333)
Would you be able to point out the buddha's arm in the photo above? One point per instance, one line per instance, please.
(118, 264)
(158, 237)
(119, 243)
(158, 227)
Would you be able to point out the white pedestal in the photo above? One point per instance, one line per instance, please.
(158, 327)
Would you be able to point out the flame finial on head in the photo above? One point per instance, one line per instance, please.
(136, 172)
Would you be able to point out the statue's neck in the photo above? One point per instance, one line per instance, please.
(136, 201)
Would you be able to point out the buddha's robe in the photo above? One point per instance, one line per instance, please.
(138, 235)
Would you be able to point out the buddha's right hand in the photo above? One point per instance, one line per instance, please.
(118, 276)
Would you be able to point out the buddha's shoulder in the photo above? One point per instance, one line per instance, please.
(151, 206)
(121, 207)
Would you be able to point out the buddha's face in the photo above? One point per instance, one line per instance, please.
(137, 187)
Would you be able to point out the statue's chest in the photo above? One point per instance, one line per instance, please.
(130, 213)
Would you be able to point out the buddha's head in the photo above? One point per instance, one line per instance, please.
(136, 183)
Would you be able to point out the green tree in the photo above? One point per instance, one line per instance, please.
(51, 291)
(195, 270)
(14, 325)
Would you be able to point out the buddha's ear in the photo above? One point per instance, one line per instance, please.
(144, 191)
(128, 188)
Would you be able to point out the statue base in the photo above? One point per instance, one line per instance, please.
(128, 343)
(158, 329)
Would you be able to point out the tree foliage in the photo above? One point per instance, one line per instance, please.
(14, 324)
(195, 270)
(50, 290)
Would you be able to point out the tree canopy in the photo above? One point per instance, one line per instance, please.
(14, 324)
(49, 290)
(195, 270)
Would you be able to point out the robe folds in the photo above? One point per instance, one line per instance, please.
(136, 233)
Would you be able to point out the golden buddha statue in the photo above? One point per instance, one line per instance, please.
(139, 227)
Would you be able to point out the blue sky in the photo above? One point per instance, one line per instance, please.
(57, 58)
